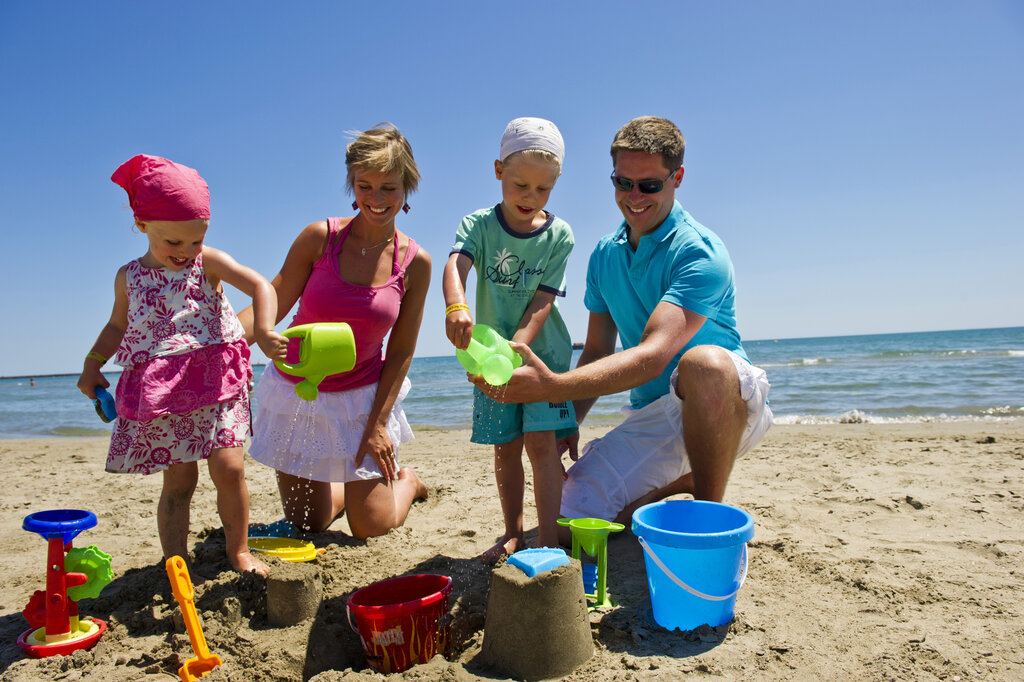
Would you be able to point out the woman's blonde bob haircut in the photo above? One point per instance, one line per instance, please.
(382, 149)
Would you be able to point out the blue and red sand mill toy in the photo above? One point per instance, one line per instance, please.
(72, 573)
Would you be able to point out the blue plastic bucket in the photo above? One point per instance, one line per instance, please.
(696, 558)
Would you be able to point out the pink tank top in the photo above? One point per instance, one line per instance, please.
(370, 311)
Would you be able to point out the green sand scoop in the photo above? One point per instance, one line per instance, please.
(591, 535)
(488, 354)
(327, 348)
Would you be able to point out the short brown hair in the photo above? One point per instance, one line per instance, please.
(651, 135)
(385, 150)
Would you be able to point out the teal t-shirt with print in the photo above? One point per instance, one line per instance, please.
(511, 267)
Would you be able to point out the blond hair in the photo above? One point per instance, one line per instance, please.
(382, 149)
(536, 155)
(651, 135)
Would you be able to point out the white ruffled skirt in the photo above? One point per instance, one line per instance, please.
(319, 439)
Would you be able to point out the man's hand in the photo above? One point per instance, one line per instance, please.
(570, 443)
(530, 383)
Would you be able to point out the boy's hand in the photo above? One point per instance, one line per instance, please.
(458, 325)
(273, 345)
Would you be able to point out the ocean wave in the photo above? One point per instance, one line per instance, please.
(858, 417)
(912, 353)
(802, 362)
(77, 431)
(964, 352)
(1002, 410)
(899, 355)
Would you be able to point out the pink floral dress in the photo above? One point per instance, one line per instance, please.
(185, 386)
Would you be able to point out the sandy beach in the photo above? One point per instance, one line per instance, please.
(882, 552)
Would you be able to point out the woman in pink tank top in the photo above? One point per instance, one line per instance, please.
(338, 453)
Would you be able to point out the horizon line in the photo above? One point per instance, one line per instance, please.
(618, 348)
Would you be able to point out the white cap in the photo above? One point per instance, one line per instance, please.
(531, 133)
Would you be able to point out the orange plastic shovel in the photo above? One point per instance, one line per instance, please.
(181, 584)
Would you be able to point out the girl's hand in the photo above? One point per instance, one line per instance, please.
(377, 444)
(89, 380)
(458, 325)
(273, 345)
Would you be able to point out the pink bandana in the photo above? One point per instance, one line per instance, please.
(159, 189)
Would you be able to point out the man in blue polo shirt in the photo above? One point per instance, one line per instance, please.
(663, 284)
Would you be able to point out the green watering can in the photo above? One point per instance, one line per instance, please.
(327, 348)
(488, 354)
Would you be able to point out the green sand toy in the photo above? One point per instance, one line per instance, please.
(96, 567)
(591, 535)
(489, 355)
(327, 348)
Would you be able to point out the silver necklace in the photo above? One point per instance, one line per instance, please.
(363, 251)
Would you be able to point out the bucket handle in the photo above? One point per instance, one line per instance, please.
(680, 583)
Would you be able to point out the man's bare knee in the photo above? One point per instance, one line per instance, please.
(706, 368)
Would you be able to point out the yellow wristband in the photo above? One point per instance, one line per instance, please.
(453, 307)
(96, 356)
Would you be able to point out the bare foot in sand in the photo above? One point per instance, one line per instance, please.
(245, 562)
(505, 546)
(421, 491)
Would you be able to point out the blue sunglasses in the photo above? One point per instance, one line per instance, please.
(645, 186)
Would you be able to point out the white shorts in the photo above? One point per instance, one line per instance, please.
(646, 451)
(318, 439)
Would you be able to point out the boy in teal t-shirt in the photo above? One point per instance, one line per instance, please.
(520, 252)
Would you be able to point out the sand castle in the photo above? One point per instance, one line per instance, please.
(537, 627)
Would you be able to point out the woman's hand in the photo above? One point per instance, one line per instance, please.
(273, 345)
(377, 444)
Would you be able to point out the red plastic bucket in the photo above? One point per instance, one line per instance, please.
(402, 621)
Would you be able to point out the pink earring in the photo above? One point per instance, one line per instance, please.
(355, 205)
(405, 208)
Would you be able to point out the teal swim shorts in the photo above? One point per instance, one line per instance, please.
(495, 423)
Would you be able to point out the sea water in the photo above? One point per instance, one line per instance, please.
(966, 374)
(924, 376)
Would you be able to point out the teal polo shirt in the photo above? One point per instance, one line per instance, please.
(681, 262)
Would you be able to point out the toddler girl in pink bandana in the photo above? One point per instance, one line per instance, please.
(183, 395)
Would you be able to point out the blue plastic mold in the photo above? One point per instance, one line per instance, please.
(538, 559)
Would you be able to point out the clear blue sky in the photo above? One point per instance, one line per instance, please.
(859, 159)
